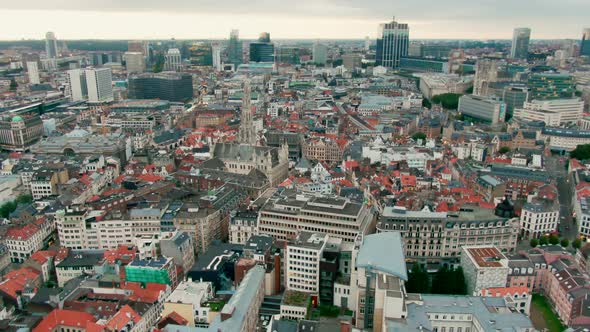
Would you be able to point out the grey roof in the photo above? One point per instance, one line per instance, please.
(244, 152)
(82, 258)
(383, 252)
(483, 310)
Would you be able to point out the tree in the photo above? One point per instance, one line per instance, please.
(565, 243)
(577, 244)
(543, 240)
(426, 103)
(159, 63)
(449, 281)
(13, 85)
(24, 199)
(504, 150)
(418, 280)
(534, 243)
(458, 286)
(447, 100)
(440, 282)
(419, 135)
(7, 208)
(553, 239)
(581, 152)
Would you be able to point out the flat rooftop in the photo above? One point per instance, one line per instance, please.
(485, 256)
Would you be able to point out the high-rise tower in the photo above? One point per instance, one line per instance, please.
(247, 134)
(520, 43)
(585, 44)
(50, 45)
(234, 49)
(393, 41)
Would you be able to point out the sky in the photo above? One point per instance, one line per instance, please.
(301, 19)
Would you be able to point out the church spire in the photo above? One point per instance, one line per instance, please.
(247, 134)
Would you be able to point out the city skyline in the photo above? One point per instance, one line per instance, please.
(182, 19)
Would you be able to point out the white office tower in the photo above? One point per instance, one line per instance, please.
(134, 62)
(173, 60)
(367, 43)
(51, 45)
(216, 52)
(77, 90)
(99, 83)
(320, 54)
(33, 72)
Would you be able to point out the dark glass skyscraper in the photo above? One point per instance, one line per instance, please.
(234, 48)
(201, 54)
(392, 43)
(263, 50)
(171, 86)
(585, 44)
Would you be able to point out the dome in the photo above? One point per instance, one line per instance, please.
(78, 133)
(17, 118)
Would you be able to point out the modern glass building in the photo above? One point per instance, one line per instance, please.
(171, 86)
(520, 43)
(585, 43)
(201, 54)
(551, 86)
(392, 44)
(234, 49)
(289, 55)
(424, 65)
(262, 52)
(51, 45)
(514, 96)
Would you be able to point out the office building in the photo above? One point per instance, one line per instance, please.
(424, 65)
(551, 86)
(486, 72)
(201, 54)
(351, 61)
(234, 49)
(171, 86)
(173, 60)
(302, 262)
(440, 235)
(482, 109)
(216, 53)
(319, 54)
(18, 133)
(134, 62)
(484, 266)
(585, 43)
(77, 89)
(554, 112)
(51, 45)
(514, 96)
(284, 217)
(33, 72)
(289, 55)
(392, 44)
(262, 50)
(99, 82)
(520, 43)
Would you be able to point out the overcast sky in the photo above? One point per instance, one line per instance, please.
(185, 19)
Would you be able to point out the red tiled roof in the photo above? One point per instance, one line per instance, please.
(64, 318)
(175, 318)
(17, 280)
(22, 233)
(42, 256)
(503, 291)
(149, 177)
(123, 253)
(122, 317)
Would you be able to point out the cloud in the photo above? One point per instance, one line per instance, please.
(286, 19)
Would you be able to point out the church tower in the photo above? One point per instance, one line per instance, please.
(247, 134)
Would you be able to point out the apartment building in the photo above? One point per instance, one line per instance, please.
(438, 236)
(283, 217)
(302, 262)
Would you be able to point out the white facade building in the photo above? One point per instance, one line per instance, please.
(33, 72)
(134, 62)
(173, 60)
(302, 262)
(99, 82)
(554, 113)
(484, 267)
(77, 89)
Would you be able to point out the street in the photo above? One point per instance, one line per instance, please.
(555, 168)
